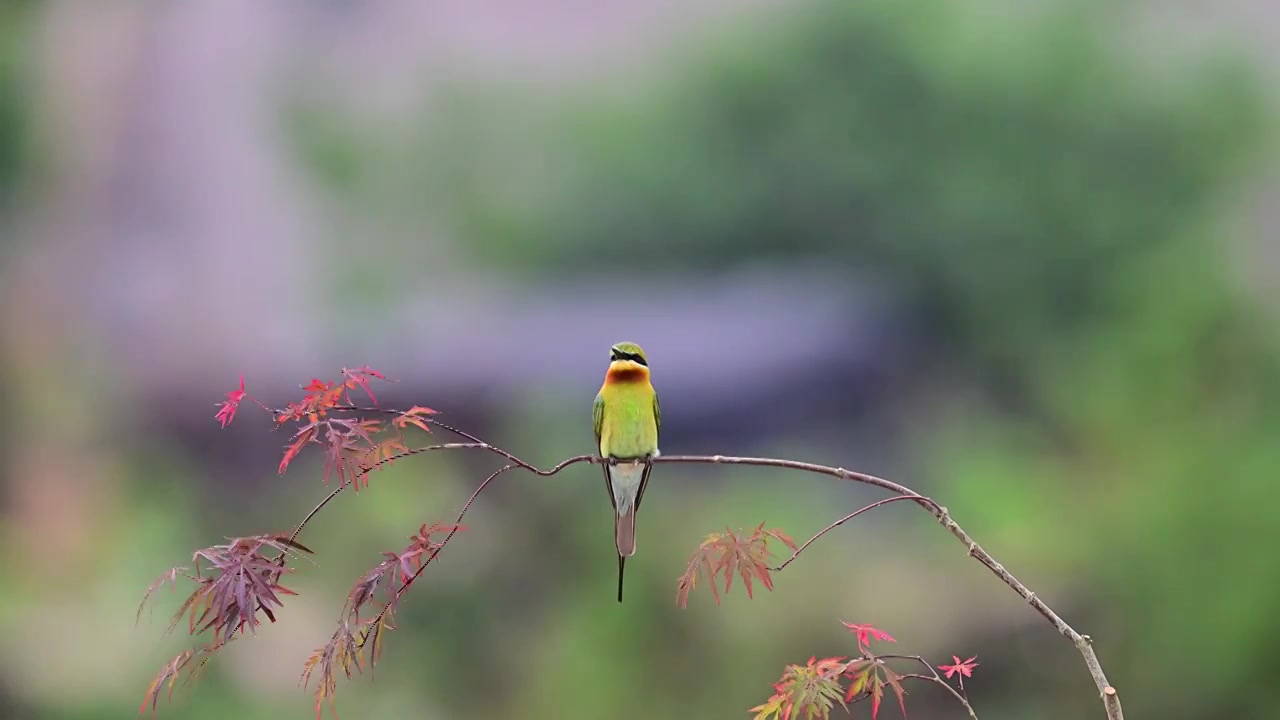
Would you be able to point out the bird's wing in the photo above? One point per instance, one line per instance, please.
(597, 418)
(657, 414)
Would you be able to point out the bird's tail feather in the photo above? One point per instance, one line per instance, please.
(625, 525)
(626, 503)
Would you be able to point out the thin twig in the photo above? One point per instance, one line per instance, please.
(375, 622)
(474, 444)
(365, 471)
(467, 506)
(933, 676)
(460, 433)
(836, 524)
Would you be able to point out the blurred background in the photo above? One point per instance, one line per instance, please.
(1019, 256)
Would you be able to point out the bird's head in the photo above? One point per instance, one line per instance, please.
(626, 353)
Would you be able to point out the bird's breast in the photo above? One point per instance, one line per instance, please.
(629, 428)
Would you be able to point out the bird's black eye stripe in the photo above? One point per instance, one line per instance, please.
(630, 356)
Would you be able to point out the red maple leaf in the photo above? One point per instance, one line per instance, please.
(877, 694)
(868, 678)
(359, 378)
(189, 662)
(866, 633)
(227, 409)
(383, 453)
(732, 553)
(336, 455)
(348, 442)
(895, 681)
(343, 653)
(319, 398)
(300, 439)
(413, 416)
(859, 672)
(411, 559)
(961, 669)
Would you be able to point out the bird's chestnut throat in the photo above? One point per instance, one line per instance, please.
(626, 373)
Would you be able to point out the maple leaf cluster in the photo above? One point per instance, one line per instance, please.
(398, 569)
(238, 583)
(227, 408)
(344, 653)
(323, 396)
(190, 662)
(345, 650)
(234, 582)
(730, 554)
(351, 449)
(813, 689)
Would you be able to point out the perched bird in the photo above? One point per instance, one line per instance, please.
(627, 419)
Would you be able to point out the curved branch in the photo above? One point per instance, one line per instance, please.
(1083, 643)
(474, 444)
(835, 472)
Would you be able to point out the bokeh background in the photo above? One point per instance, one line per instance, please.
(1020, 256)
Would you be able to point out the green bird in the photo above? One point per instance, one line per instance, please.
(627, 418)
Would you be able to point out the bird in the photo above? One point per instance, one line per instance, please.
(627, 419)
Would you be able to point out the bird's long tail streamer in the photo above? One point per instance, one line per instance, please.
(626, 541)
(622, 561)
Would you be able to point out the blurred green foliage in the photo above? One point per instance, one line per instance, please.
(1008, 169)
(14, 44)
